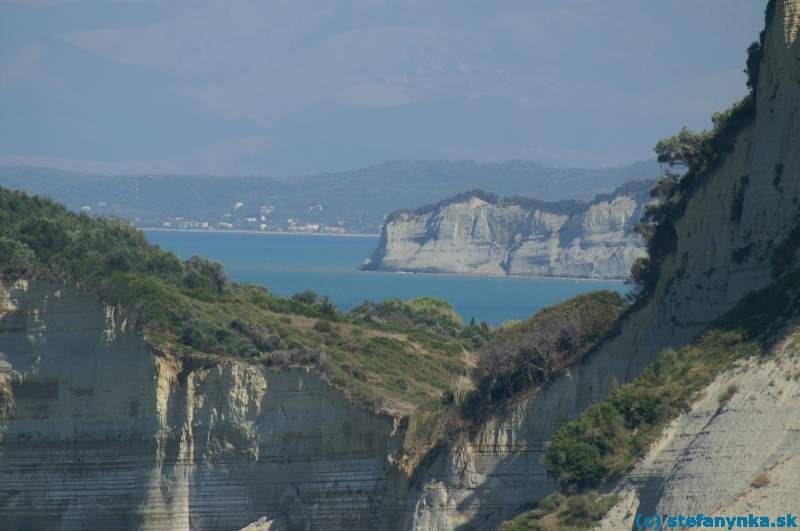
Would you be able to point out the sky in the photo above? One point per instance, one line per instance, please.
(286, 87)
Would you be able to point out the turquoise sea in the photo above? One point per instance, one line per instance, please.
(287, 264)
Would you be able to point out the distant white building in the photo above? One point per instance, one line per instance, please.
(194, 225)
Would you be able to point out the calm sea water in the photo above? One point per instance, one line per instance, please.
(287, 264)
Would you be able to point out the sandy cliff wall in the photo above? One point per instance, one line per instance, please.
(98, 430)
(478, 234)
(732, 459)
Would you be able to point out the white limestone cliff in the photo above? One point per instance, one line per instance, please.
(100, 430)
(476, 233)
(726, 459)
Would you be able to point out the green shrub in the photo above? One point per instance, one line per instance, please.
(752, 69)
(557, 512)
(426, 313)
(202, 335)
(690, 158)
(16, 259)
(309, 304)
(205, 277)
(306, 297)
(259, 335)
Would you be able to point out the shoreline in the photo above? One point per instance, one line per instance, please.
(265, 232)
(488, 275)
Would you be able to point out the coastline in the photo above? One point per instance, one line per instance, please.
(265, 232)
(488, 275)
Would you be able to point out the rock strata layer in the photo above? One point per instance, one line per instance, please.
(99, 430)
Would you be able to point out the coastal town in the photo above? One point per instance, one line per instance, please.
(239, 219)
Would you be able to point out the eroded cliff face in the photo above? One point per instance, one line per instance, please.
(731, 458)
(745, 209)
(99, 430)
(478, 234)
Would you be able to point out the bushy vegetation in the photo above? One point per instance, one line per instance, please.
(423, 314)
(610, 437)
(557, 512)
(689, 157)
(562, 207)
(42, 237)
(523, 356)
(191, 304)
(429, 313)
(755, 51)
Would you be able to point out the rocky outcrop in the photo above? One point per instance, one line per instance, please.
(477, 233)
(100, 430)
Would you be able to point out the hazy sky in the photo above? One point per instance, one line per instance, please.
(296, 86)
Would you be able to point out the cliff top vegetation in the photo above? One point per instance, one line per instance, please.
(568, 207)
(689, 158)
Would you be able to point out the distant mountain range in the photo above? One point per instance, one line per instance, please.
(356, 200)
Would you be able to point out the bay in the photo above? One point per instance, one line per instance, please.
(287, 264)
